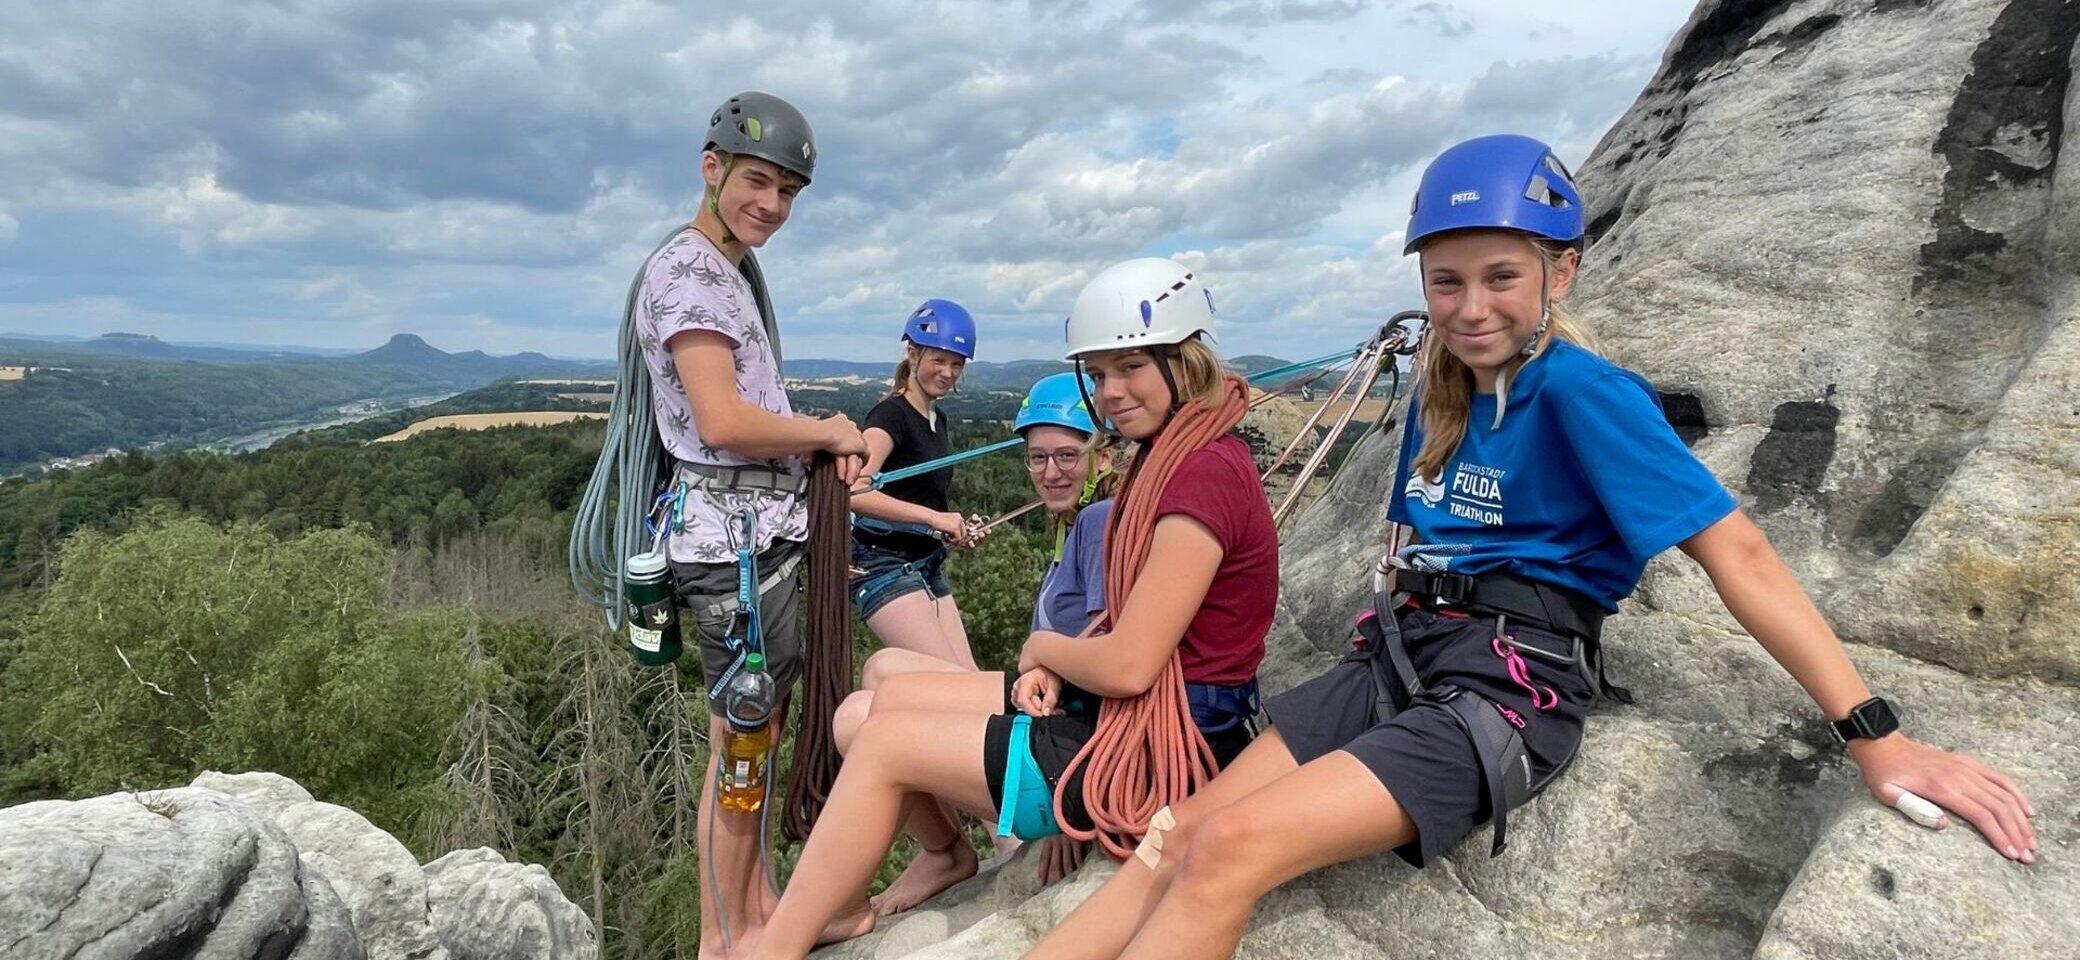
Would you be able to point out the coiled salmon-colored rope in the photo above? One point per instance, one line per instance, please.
(1146, 753)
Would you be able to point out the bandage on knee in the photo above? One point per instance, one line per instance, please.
(1150, 852)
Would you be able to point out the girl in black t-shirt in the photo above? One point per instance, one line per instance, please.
(901, 531)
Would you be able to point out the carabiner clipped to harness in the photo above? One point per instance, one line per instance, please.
(746, 633)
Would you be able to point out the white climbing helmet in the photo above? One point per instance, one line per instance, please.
(1146, 302)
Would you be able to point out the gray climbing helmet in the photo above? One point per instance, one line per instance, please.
(753, 124)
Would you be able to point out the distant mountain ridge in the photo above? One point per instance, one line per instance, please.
(983, 374)
(411, 350)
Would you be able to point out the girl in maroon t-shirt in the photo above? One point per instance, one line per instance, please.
(1207, 600)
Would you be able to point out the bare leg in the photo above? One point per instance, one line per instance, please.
(890, 662)
(895, 756)
(954, 630)
(727, 844)
(911, 622)
(904, 685)
(943, 859)
(1103, 924)
(1326, 812)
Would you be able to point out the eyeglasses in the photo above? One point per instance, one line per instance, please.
(1064, 460)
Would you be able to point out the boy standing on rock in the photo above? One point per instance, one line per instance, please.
(714, 360)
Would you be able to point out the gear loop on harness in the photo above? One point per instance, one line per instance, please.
(1490, 727)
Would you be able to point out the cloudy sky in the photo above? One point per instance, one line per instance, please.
(489, 174)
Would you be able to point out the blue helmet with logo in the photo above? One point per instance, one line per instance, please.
(1056, 400)
(943, 324)
(1506, 182)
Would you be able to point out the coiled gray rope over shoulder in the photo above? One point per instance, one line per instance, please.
(608, 527)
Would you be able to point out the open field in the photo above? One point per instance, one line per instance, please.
(13, 373)
(485, 421)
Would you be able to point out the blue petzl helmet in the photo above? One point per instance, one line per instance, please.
(1055, 401)
(1505, 181)
(943, 324)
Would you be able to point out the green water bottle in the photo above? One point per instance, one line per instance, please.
(653, 610)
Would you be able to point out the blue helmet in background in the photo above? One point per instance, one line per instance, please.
(942, 324)
(1506, 182)
(1057, 401)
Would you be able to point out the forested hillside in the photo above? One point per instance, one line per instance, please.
(391, 625)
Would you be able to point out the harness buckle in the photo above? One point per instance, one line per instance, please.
(1450, 589)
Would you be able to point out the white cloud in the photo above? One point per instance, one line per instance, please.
(463, 167)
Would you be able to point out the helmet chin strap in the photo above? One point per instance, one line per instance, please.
(1545, 319)
(1169, 379)
(715, 200)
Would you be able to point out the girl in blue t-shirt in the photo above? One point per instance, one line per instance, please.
(1538, 479)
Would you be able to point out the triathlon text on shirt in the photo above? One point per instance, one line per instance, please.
(1476, 494)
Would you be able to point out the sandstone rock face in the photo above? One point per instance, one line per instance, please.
(376, 877)
(1837, 234)
(249, 867)
(489, 909)
(1847, 233)
(373, 877)
(182, 872)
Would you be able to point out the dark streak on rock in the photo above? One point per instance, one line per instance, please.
(1685, 412)
(1791, 461)
(1979, 283)
(1601, 225)
(1908, 491)
(2019, 77)
(1718, 38)
(1773, 758)
(1799, 37)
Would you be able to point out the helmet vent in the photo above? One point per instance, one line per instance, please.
(1541, 191)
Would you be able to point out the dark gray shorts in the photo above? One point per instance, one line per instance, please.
(1422, 756)
(700, 585)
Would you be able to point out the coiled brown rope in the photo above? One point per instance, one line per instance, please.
(826, 653)
(1147, 753)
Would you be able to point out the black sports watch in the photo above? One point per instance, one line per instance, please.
(1869, 720)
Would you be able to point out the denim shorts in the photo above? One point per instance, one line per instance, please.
(888, 574)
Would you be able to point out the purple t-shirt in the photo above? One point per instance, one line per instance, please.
(690, 285)
(1074, 589)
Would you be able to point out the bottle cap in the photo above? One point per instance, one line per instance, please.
(645, 564)
(756, 663)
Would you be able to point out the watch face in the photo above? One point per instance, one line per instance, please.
(1870, 720)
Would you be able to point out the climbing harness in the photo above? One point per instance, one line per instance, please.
(1218, 708)
(1506, 596)
(1493, 728)
(1571, 619)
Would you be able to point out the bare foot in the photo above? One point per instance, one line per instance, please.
(856, 924)
(931, 872)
